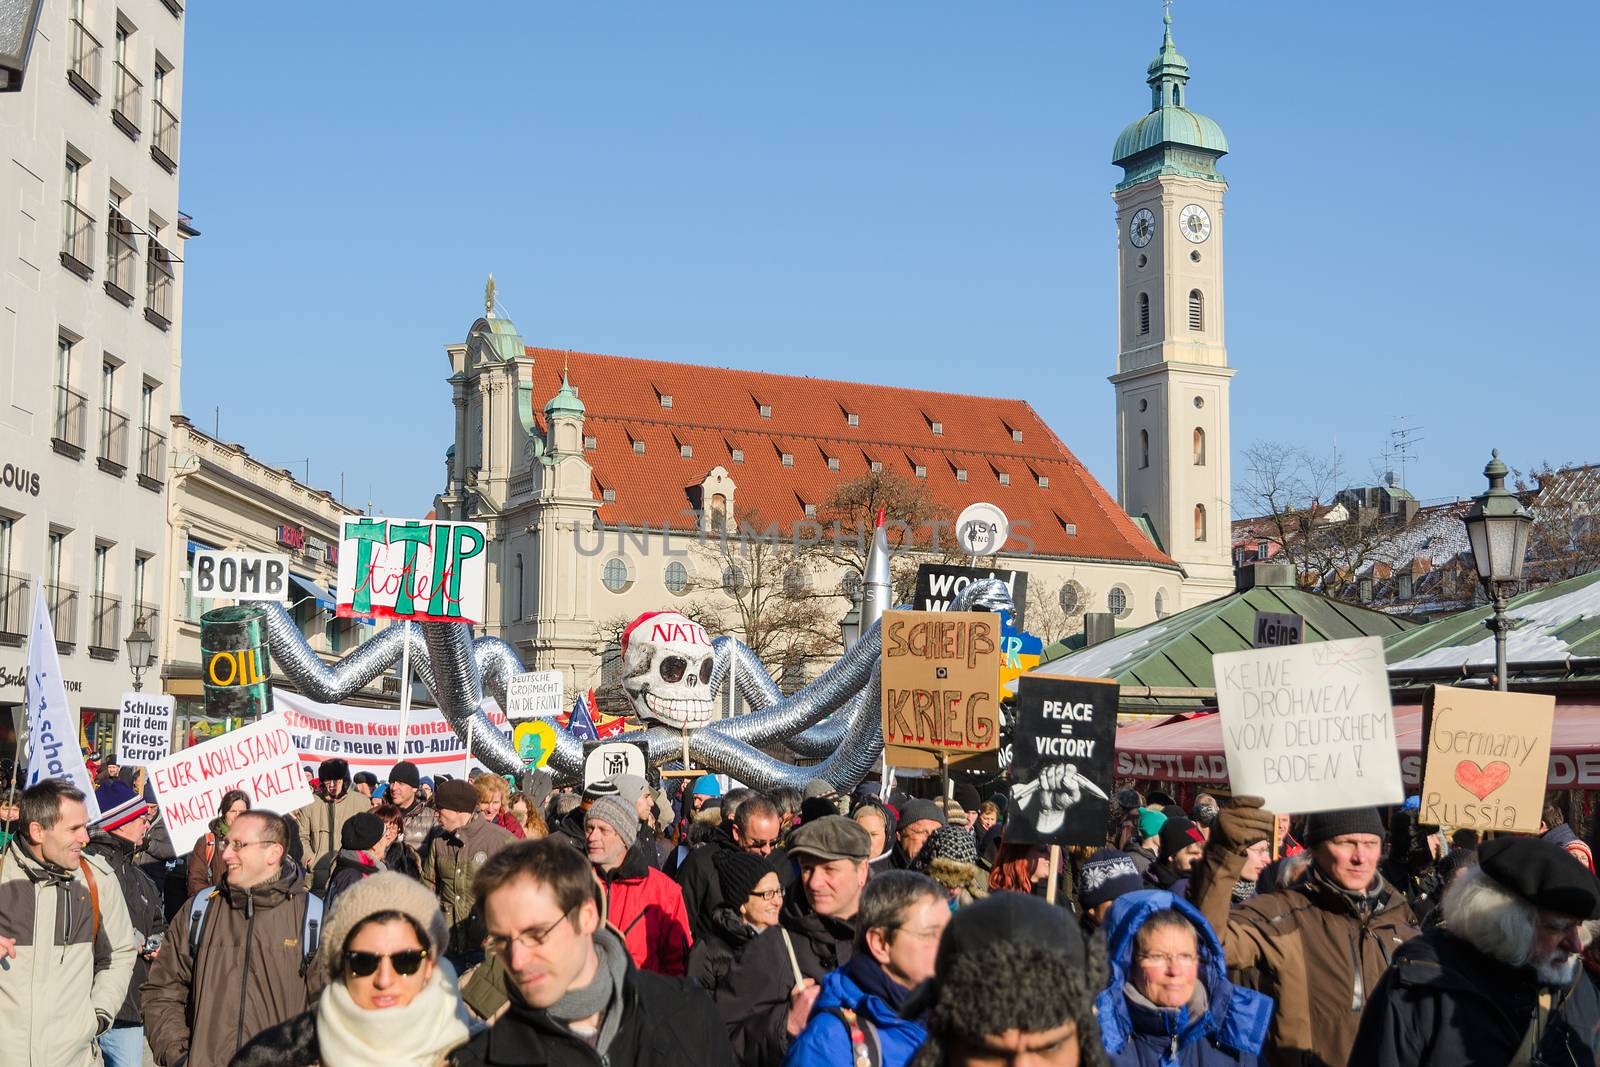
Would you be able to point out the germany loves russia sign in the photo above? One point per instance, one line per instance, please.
(412, 569)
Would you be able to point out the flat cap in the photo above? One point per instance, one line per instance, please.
(832, 837)
(1544, 874)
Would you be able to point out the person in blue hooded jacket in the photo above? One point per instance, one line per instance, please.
(901, 917)
(1168, 1002)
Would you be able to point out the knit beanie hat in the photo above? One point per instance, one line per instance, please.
(1327, 825)
(967, 794)
(1150, 823)
(456, 795)
(630, 787)
(361, 831)
(405, 773)
(955, 843)
(384, 891)
(1177, 834)
(706, 785)
(738, 874)
(119, 805)
(1106, 876)
(617, 814)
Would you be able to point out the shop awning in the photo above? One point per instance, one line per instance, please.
(309, 588)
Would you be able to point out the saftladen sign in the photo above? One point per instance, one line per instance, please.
(144, 729)
(260, 759)
(1063, 740)
(940, 670)
(1486, 760)
(410, 569)
(241, 575)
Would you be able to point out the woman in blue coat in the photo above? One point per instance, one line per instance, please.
(1169, 1002)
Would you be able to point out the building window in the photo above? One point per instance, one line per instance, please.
(1199, 522)
(1144, 313)
(1144, 449)
(1365, 591)
(1199, 447)
(851, 585)
(638, 447)
(875, 466)
(1262, 550)
(83, 55)
(127, 103)
(686, 451)
(719, 512)
(794, 582)
(1044, 481)
(793, 677)
(608, 495)
(811, 511)
(788, 459)
(77, 225)
(677, 578)
(516, 594)
(764, 410)
(921, 471)
(1403, 587)
(1197, 310)
(1161, 604)
(614, 576)
(833, 463)
(1005, 479)
(938, 429)
(738, 455)
(1117, 601)
(164, 138)
(852, 419)
(589, 443)
(733, 580)
(140, 608)
(158, 279)
(1071, 597)
(961, 474)
(666, 400)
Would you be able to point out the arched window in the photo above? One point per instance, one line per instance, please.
(1144, 313)
(1199, 522)
(1177, 96)
(614, 575)
(1144, 449)
(1197, 310)
(677, 578)
(719, 512)
(516, 576)
(1199, 447)
(1161, 604)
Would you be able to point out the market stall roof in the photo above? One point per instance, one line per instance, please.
(1166, 666)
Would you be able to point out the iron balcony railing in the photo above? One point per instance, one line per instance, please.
(122, 254)
(71, 409)
(114, 437)
(165, 145)
(106, 613)
(83, 56)
(77, 234)
(129, 103)
(152, 454)
(16, 606)
(158, 283)
(62, 603)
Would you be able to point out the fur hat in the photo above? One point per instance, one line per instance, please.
(381, 892)
(334, 770)
(950, 857)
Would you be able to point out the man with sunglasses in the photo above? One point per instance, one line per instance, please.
(575, 994)
(250, 970)
(754, 827)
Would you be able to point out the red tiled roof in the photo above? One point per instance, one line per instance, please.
(715, 410)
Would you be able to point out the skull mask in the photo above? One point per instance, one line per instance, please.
(666, 669)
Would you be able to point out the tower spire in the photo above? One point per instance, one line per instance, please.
(1168, 72)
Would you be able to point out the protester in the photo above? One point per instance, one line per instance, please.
(767, 998)
(575, 996)
(322, 820)
(1483, 988)
(966, 794)
(359, 856)
(635, 790)
(67, 946)
(1168, 999)
(1021, 869)
(988, 816)
(1107, 876)
(787, 799)
(1181, 845)
(405, 793)
(392, 847)
(754, 827)
(206, 862)
(918, 819)
(751, 897)
(366, 783)
(494, 796)
(458, 847)
(641, 902)
(1257, 857)
(879, 825)
(1553, 827)
(901, 917)
(248, 966)
(950, 858)
(1318, 945)
(116, 837)
(1147, 824)
(1014, 983)
(390, 999)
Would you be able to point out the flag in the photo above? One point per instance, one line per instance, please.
(580, 723)
(52, 727)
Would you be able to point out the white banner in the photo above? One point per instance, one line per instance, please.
(368, 737)
(259, 759)
(53, 750)
(240, 575)
(536, 693)
(144, 728)
(411, 569)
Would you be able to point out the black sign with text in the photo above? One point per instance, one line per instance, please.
(1062, 749)
(938, 584)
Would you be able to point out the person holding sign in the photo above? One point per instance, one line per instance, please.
(1320, 944)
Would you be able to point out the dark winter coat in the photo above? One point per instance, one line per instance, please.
(1444, 1003)
(1228, 1033)
(697, 877)
(754, 1000)
(403, 858)
(349, 867)
(205, 859)
(712, 956)
(419, 821)
(449, 864)
(647, 908)
(145, 910)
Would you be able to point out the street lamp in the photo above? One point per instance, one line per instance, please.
(1497, 527)
(850, 625)
(141, 652)
(17, 25)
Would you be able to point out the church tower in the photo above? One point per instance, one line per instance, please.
(1172, 363)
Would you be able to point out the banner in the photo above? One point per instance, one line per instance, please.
(240, 575)
(368, 738)
(1063, 741)
(1486, 759)
(940, 672)
(53, 726)
(1309, 727)
(938, 584)
(259, 759)
(144, 729)
(410, 569)
(536, 693)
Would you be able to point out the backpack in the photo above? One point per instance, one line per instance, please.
(310, 928)
(94, 895)
(866, 1049)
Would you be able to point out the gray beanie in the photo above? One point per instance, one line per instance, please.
(617, 814)
(381, 892)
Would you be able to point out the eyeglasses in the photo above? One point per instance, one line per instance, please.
(500, 945)
(365, 964)
(238, 846)
(768, 895)
(1166, 959)
(752, 846)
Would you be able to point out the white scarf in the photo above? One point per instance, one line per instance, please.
(417, 1035)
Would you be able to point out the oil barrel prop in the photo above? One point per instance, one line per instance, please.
(236, 663)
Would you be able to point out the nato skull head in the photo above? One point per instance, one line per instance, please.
(666, 669)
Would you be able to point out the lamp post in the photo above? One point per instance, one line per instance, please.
(141, 652)
(17, 25)
(1497, 528)
(850, 625)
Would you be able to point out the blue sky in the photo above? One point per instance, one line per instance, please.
(896, 192)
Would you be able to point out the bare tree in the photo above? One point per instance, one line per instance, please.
(918, 528)
(1565, 539)
(1048, 619)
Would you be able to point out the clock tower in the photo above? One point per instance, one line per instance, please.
(1172, 363)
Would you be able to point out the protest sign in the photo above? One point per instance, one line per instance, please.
(1275, 629)
(53, 727)
(410, 569)
(368, 738)
(144, 729)
(1020, 653)
(260, 759)
(240, 575)
(1486, 758)
(940, 670)
(1309, 727)
(535, 742)
(1063, 742)
(939, 583)
(607, 759)
(982, 529)
(535, 693)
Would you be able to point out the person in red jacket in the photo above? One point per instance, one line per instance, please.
(643, 904)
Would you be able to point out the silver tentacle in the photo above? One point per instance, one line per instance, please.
(832, 689)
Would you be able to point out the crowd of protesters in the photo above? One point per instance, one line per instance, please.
(425, 921)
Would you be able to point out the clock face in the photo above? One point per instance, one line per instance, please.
(1194, 223)
(1142, 227)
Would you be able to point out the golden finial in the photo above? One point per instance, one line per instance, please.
(488, 298)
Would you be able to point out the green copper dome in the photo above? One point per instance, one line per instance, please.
(566, 401)
(1170, 125)
(1171, 139)
(502, 339)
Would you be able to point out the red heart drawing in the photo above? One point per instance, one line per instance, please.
(1481, 781)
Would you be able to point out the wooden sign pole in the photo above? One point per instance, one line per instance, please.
(1055, 869)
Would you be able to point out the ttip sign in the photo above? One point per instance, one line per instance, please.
(410, 569)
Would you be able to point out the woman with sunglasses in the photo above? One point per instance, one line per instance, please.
(391, 999)
(751, 899)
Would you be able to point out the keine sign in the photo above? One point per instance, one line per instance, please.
(240, 575)
(1309, 727)
(1486, 761)
(368, 738)
(144, 729)
(1063, 744)
(259, 759)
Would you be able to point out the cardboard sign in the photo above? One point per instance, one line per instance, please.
(940, 671)
(535, 742)
(144, 728)
(1063, 743)
(240, 575)
(938, 584)
(1309, 727)
(410, 569)
(1486, 758)
(536, 693)
(1274, 630)
(260, 759)
(368, 738)
(607, 759)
